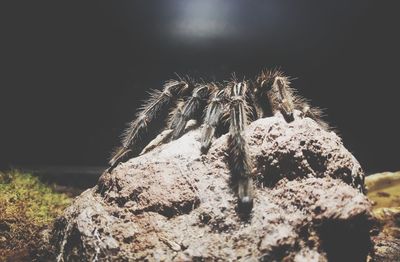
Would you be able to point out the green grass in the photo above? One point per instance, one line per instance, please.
(27, 207)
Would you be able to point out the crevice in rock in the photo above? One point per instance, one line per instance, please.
(73, 247)
(316, 161)
(175, 209)
(346, 240)
(279, 253)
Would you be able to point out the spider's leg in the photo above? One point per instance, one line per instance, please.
(273, 93)
(240, 164)
(159, 100)
(302, 104)
(193, 105)
(175, 114)
(284, 96)
(214, 111)
(255, 109)
(274, 85)
(316, 114)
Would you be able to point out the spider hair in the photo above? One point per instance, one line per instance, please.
(240, 163)
(214, 111)
(281, 97)
(193, 105)
(158, 101)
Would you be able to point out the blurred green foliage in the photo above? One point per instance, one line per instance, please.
(27, 208)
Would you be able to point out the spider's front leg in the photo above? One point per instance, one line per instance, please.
(159, 101)
(240, 163)
(286, 105)
(276, 87)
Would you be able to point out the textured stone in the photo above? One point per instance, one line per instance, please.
(172, 203)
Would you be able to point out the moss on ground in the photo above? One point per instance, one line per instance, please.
(27, 208)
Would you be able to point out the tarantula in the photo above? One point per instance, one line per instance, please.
(236, 102)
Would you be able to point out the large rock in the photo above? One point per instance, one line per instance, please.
(172, 203)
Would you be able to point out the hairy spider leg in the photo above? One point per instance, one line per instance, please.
(240, 164)
(314, 113)
(214, 111)
(272, 94)
(193, 105)
(175, 114)
(284, 97)
(159, 100)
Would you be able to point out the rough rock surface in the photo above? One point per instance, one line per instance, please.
(172, 203)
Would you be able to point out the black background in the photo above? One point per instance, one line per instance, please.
(74, 72)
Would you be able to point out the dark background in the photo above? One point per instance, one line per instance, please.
(74, 72)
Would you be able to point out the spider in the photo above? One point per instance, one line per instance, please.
(231, 104)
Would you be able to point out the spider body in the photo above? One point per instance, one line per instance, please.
(236, 102)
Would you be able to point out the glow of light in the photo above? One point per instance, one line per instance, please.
(204, 19)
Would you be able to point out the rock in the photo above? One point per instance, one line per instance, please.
(172, 203)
